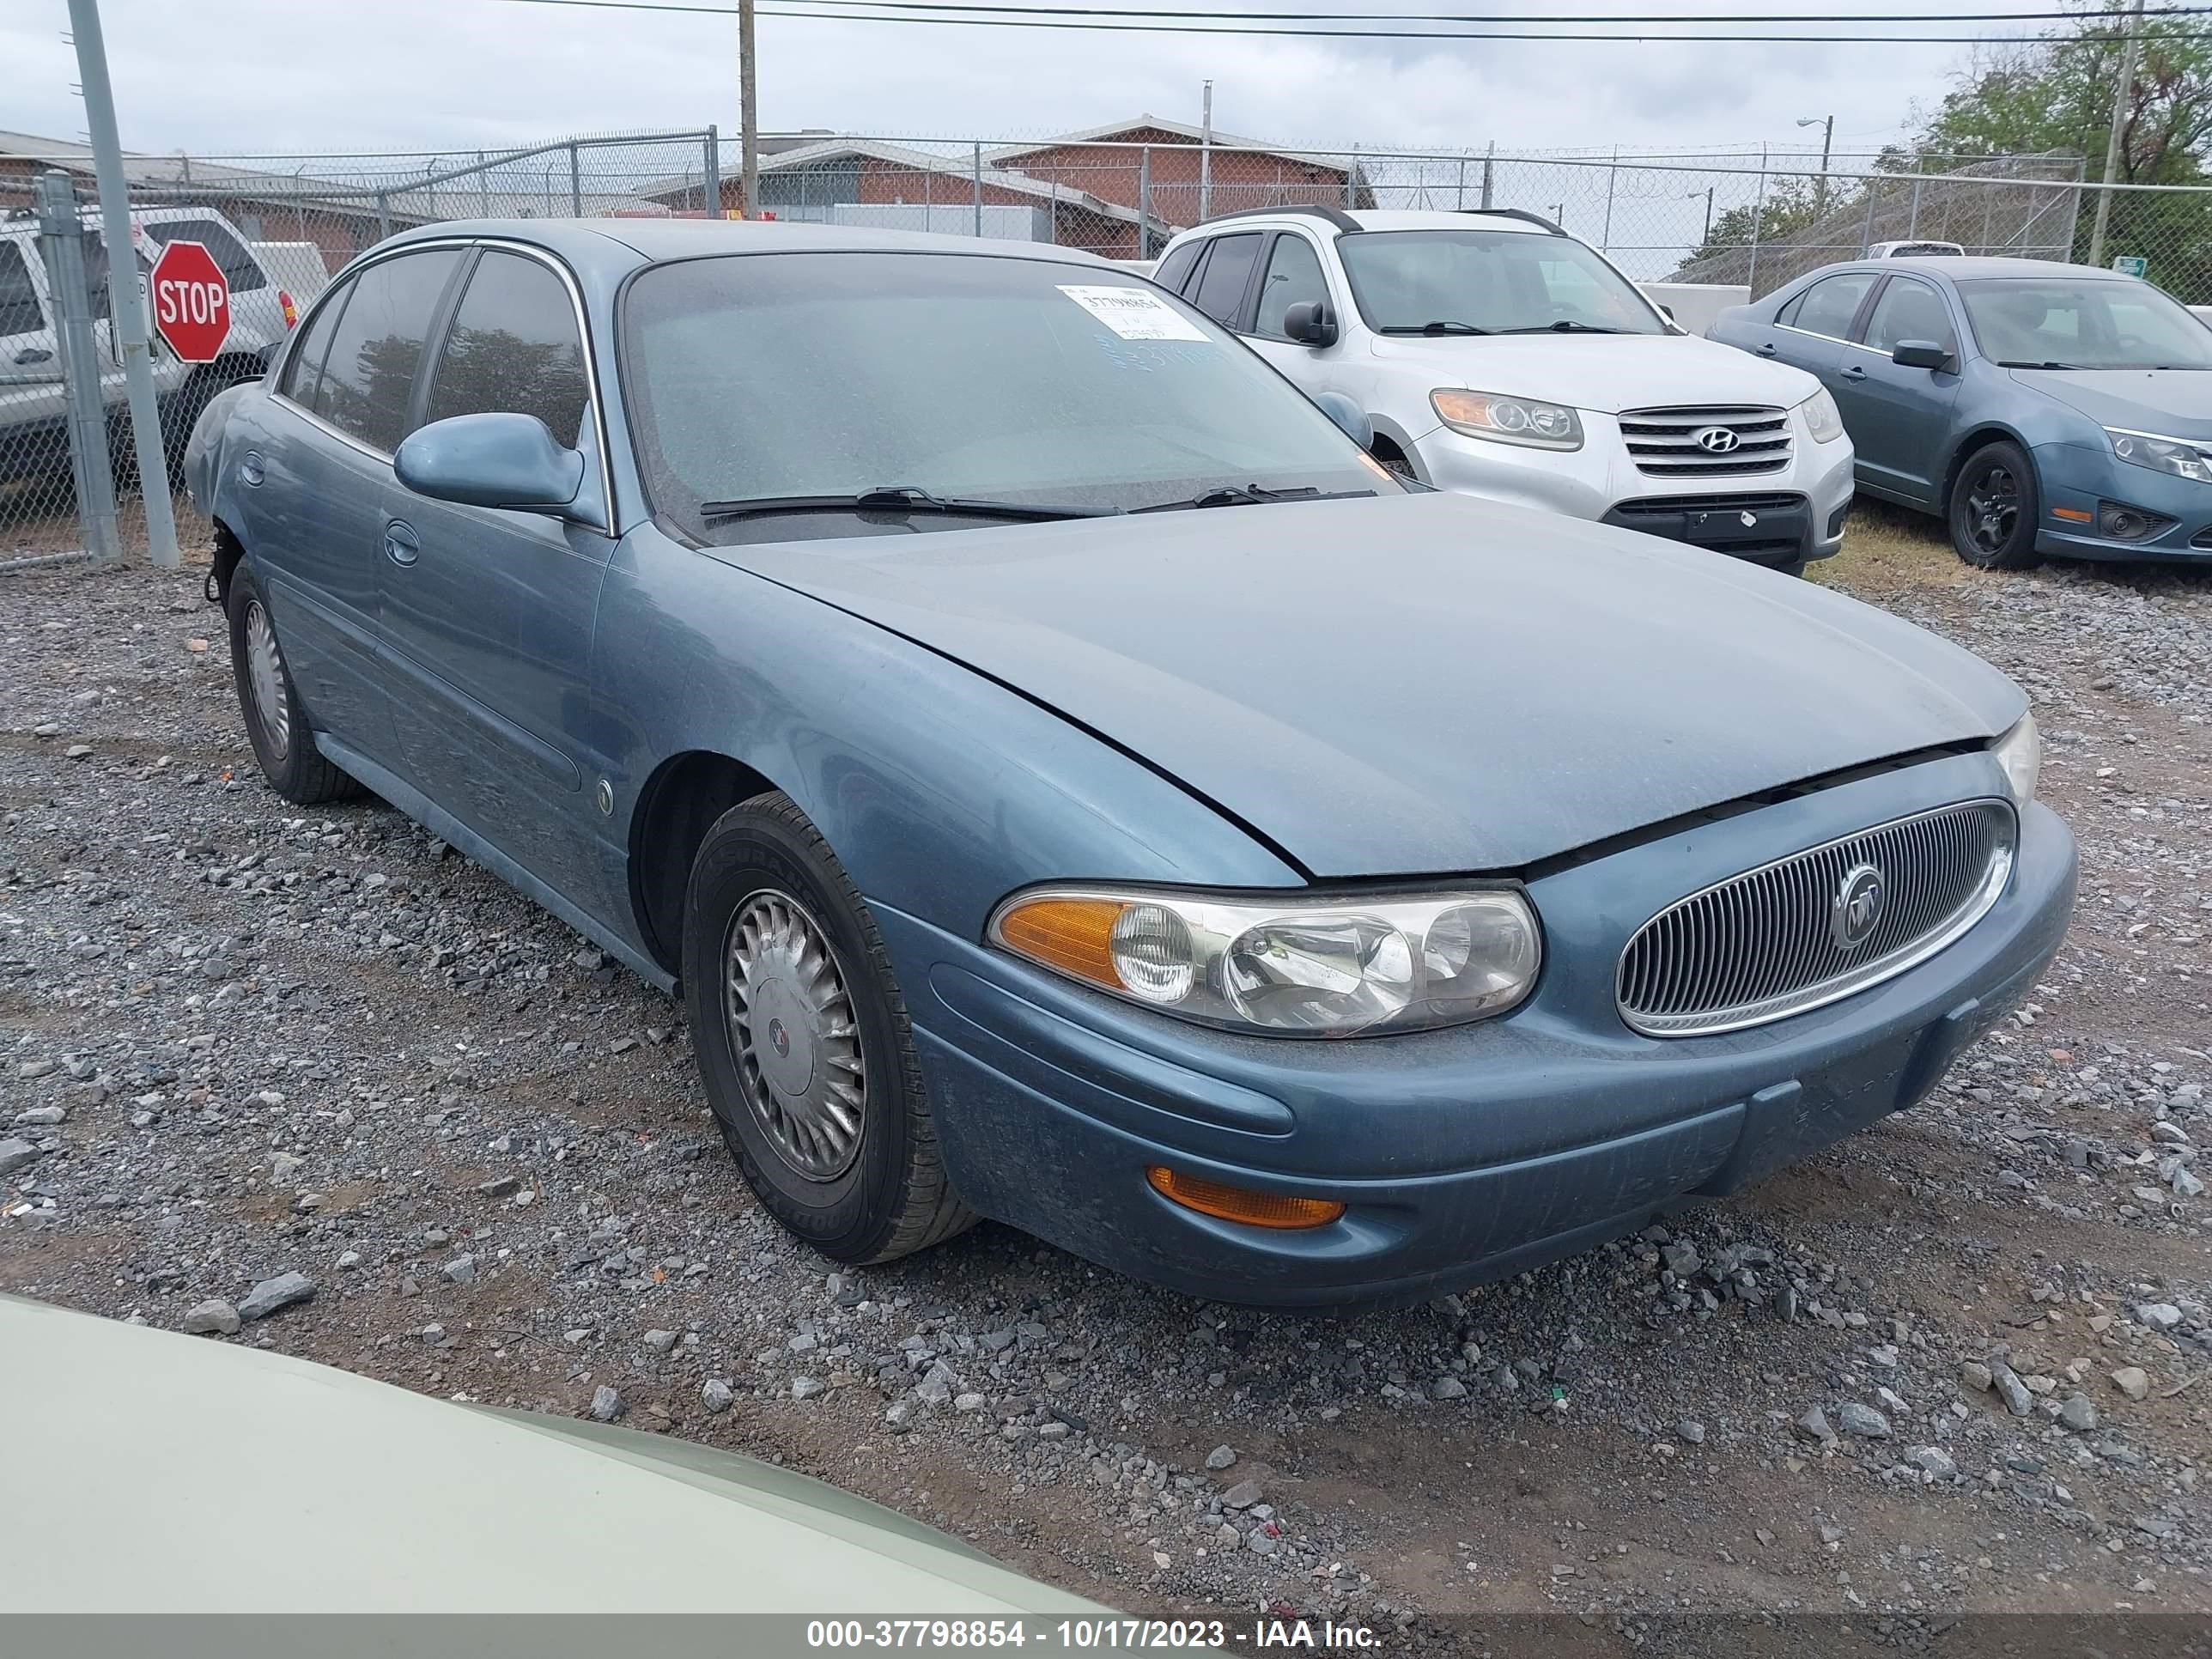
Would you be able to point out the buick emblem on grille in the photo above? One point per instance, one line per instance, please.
(1856, 906)
(1715, 440)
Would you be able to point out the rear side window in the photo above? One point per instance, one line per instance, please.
(1829, 305)
(303, 369)
(240, 268)
(1221, 286)
(513, 347)
(20, 312)
(1175, 270)
(378, 344)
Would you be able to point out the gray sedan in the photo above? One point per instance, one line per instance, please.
(2043, 409)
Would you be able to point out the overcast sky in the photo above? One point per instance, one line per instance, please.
(301, 76)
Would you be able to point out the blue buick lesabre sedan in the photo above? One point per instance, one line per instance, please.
(2040, 410)
(1069, 782)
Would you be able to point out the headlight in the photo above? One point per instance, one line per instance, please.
(1821, 418)
(1333, 967)
(2179, 456)
(1508, 420)
(2019, 751)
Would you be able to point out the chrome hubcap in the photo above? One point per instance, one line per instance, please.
(793, 1034)
(264, 670)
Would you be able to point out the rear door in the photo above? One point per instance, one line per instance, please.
(1811, 332)
(1222, 289)
(1900, 418)
(488, 613)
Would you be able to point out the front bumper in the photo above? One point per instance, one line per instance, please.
(1601, 481)
(1465, 1154)
(2080, 479)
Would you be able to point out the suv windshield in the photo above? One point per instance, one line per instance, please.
(1503, 282)
(2062, 322)
(766, 390)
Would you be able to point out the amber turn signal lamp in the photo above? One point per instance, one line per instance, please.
(1074, 935)
(1277, 1210)
(2074, 514)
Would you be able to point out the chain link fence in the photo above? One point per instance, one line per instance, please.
(1744, 222)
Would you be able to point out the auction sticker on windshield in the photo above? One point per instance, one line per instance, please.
(1132, 312)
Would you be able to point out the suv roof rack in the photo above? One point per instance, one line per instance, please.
(1536, 219)
(1336, 216)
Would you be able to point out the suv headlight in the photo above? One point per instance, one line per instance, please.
(2179, 456)
(2019, 751)
(1508, 420)
(1291, 966)
(1822, 419)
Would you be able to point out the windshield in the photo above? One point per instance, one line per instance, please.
(1498, 281)
(2083, 322)
(974, 378)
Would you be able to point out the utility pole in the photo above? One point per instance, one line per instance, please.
(748, 120)
(1827, 125)
(125, 296)
(2128, 55)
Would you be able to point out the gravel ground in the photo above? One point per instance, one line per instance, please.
(1945, 1367)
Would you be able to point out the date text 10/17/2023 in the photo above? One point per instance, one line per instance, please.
(1090, 1635)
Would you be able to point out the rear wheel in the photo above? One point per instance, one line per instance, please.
(803, 1042)
(1994, 508)
(275, 721)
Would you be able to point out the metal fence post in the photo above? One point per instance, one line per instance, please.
(1611, 178)
(1912, 225)
(1758, 215)
(979, 189)
(1989, 202)
(714, 173)
(61, 240)
(1489, 156)
(575, 184)
(383, 215)
(1866, 232)
(1459, 200)
(1351, 180)
(483, 186)
(1145, 203)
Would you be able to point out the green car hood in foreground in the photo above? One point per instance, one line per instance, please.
(179, 1474)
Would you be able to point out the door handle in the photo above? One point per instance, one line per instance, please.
(250, 471)
(1768, 349)
(1855, 372)
(401, 545)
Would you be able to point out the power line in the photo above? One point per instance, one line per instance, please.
(1490, 19)
(1088, 19)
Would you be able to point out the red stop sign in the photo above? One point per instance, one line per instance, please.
(191, 301)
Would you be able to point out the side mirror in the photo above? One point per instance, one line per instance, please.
(1920, 353)
(1311, 322)
(1347, 415)
(496, 459)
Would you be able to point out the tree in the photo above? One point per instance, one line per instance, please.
(1790, 205)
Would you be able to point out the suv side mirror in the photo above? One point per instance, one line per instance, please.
(494, 460)
(1311, 322)
(1920, 353)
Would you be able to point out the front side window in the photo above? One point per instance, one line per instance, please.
(1293, 276)
(1829, 305)
(832, 374)
(2063, 322)
(1221, 284)
(19, 312)
(370, 370)
(1909, 311)
(240, 268)
(1491, 282)
(513, 347)
(303, 369)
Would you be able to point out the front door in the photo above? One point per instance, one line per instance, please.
(1899, 418)
(488, 613)
(1291, 274)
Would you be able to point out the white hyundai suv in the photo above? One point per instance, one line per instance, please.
(1498, 356)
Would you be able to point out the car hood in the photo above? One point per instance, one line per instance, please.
(234, 1480)
(1607, 373)
(1421, 683)
(2174, 401)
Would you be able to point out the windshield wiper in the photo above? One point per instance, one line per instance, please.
(2043, 365)
(1564, 325)
(1250, 495)
(1445, 327)
(901, 498)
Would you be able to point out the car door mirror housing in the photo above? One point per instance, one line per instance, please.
(494, 460)
(1347, 415)
(1920, 353)
(1311, 322)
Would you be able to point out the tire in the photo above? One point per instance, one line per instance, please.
(275, 719)
(1994, 508)
(1394, 457)
(790, 991)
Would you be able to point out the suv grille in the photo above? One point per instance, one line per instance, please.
(1781, 938)
(1664, 441)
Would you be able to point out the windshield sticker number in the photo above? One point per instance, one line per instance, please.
(1133, 313)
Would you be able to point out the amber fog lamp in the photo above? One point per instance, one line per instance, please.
(1277, 1210)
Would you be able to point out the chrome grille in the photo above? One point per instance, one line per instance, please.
(1764, 944)
(1664, 441)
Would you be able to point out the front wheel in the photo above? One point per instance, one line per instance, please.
(803, 1042)
(1994, 509)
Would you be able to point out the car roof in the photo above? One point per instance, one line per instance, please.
(629, 241)
(1370, 219)
(1973, 266)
